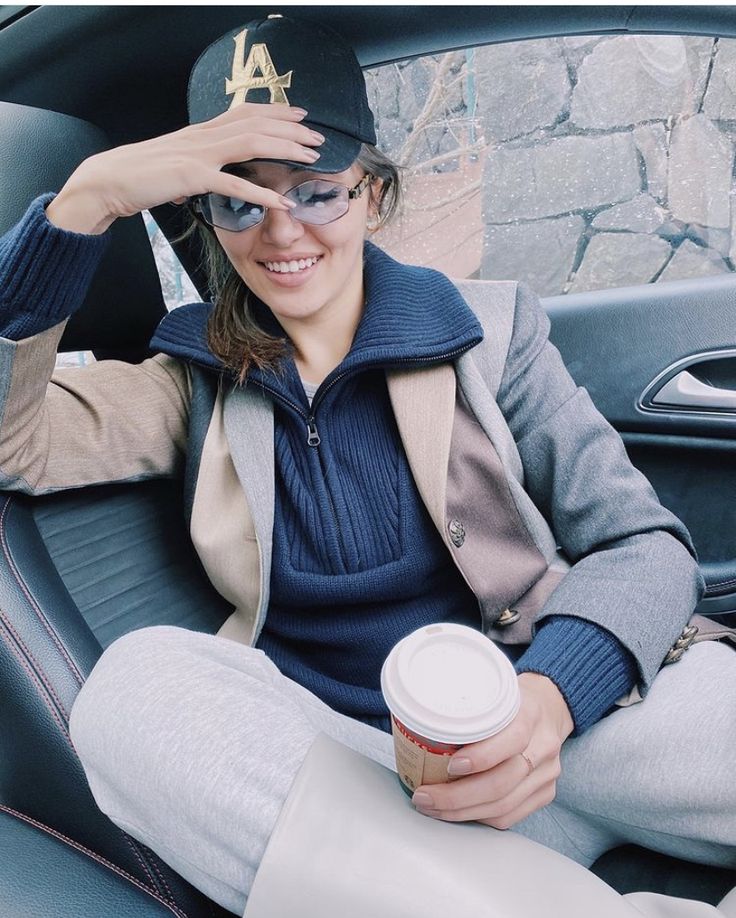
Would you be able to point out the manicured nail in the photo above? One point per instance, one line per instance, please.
(313, 154)
(317, 136)
(459, 766)
(289, 203)
(299, 111)
(423, 800)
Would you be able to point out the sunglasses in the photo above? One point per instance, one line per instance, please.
(317, 202)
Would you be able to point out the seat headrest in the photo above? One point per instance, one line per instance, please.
(39, 150)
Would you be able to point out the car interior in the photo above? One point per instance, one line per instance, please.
(80, 568)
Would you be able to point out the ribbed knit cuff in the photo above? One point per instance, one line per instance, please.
(45, 271)
(589, 666)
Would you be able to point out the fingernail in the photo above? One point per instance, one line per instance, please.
(289, 203)
(459, 766)
(422, 799)
(313, 153)
(299, 111)
(317, 136)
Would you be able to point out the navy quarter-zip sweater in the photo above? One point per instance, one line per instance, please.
(357, 562)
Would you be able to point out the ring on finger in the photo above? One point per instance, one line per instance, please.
(529, 764)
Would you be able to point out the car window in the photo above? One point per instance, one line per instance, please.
(176, 287)
(570, 163)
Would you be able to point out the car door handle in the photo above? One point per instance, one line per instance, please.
(686, 391)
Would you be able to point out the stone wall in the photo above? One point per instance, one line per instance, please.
(606, 161)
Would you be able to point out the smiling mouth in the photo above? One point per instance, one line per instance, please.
(290, 267)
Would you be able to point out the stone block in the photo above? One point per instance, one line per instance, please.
(521, 86)
(641, 214)
(635, 78)
(576, 43)
(699, 173)
(620, 260)
(691, 260)
(651, 141)
(720, 99)
(542, 252)
(567, 174)
(718, 239)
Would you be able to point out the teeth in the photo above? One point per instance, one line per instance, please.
(290, 267)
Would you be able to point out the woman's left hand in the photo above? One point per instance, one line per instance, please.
(513, 773)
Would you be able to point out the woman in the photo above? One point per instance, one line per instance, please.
(350, 474)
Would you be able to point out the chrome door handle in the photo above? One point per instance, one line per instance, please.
(686, 391)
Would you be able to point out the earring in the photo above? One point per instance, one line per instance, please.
(374, 223)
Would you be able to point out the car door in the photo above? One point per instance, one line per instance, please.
(660, 364)
(598, 169)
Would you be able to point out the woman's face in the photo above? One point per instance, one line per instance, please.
(264, 256)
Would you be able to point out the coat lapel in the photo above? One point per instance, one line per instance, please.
(222, 530)
(423, 401)
(248, 428)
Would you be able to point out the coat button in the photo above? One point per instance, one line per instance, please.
(681, 644)
(508, 617)
(457, 532)
(674, 654)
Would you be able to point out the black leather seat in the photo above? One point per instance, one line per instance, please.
(77, 569)
(80, 568)
(46, 874)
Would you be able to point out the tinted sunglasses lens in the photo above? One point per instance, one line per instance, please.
(319, 202)
(230, 213)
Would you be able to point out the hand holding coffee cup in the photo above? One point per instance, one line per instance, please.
(476, 742)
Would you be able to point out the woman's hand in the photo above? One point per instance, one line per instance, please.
(513, 773)
(126, 180)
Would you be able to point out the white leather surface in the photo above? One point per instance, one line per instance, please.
(728, 905)
(349, 843)
(655, 906)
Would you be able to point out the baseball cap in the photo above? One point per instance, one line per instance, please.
(279, 59)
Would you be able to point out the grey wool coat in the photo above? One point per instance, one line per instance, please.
(528, 485)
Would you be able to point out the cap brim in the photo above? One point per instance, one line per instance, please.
(337, 153)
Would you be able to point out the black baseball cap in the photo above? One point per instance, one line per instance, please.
(279, 59)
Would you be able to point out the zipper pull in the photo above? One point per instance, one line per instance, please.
(312, 435)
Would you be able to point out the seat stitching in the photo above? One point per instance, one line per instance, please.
(95, 857)
(720, 583)
(161, 877)
(63, 724)
(34, 605)
(34, 675)
(39, 675)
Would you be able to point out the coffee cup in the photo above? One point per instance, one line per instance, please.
(445, 685)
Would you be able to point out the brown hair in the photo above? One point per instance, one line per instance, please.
(233, 334)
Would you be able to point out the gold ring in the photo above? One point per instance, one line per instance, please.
(529, 763)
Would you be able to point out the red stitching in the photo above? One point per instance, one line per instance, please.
(39, 678)
(32, 659)
(33, 675)
(161, 877)
(63, 726)
(95, 857)
(34, 605)
(138, 854)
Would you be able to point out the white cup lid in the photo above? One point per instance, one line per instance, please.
(450, 683)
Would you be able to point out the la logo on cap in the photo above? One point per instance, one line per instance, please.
(258, 72)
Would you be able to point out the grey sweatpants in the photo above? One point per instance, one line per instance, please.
(190, 743)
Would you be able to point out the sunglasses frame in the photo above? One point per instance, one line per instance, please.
(356, 191)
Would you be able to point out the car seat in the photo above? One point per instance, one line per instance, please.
(77, 569)
(81, 567)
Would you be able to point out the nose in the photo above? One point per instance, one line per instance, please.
(280, 229)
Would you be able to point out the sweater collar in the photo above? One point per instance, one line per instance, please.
(412, 316)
